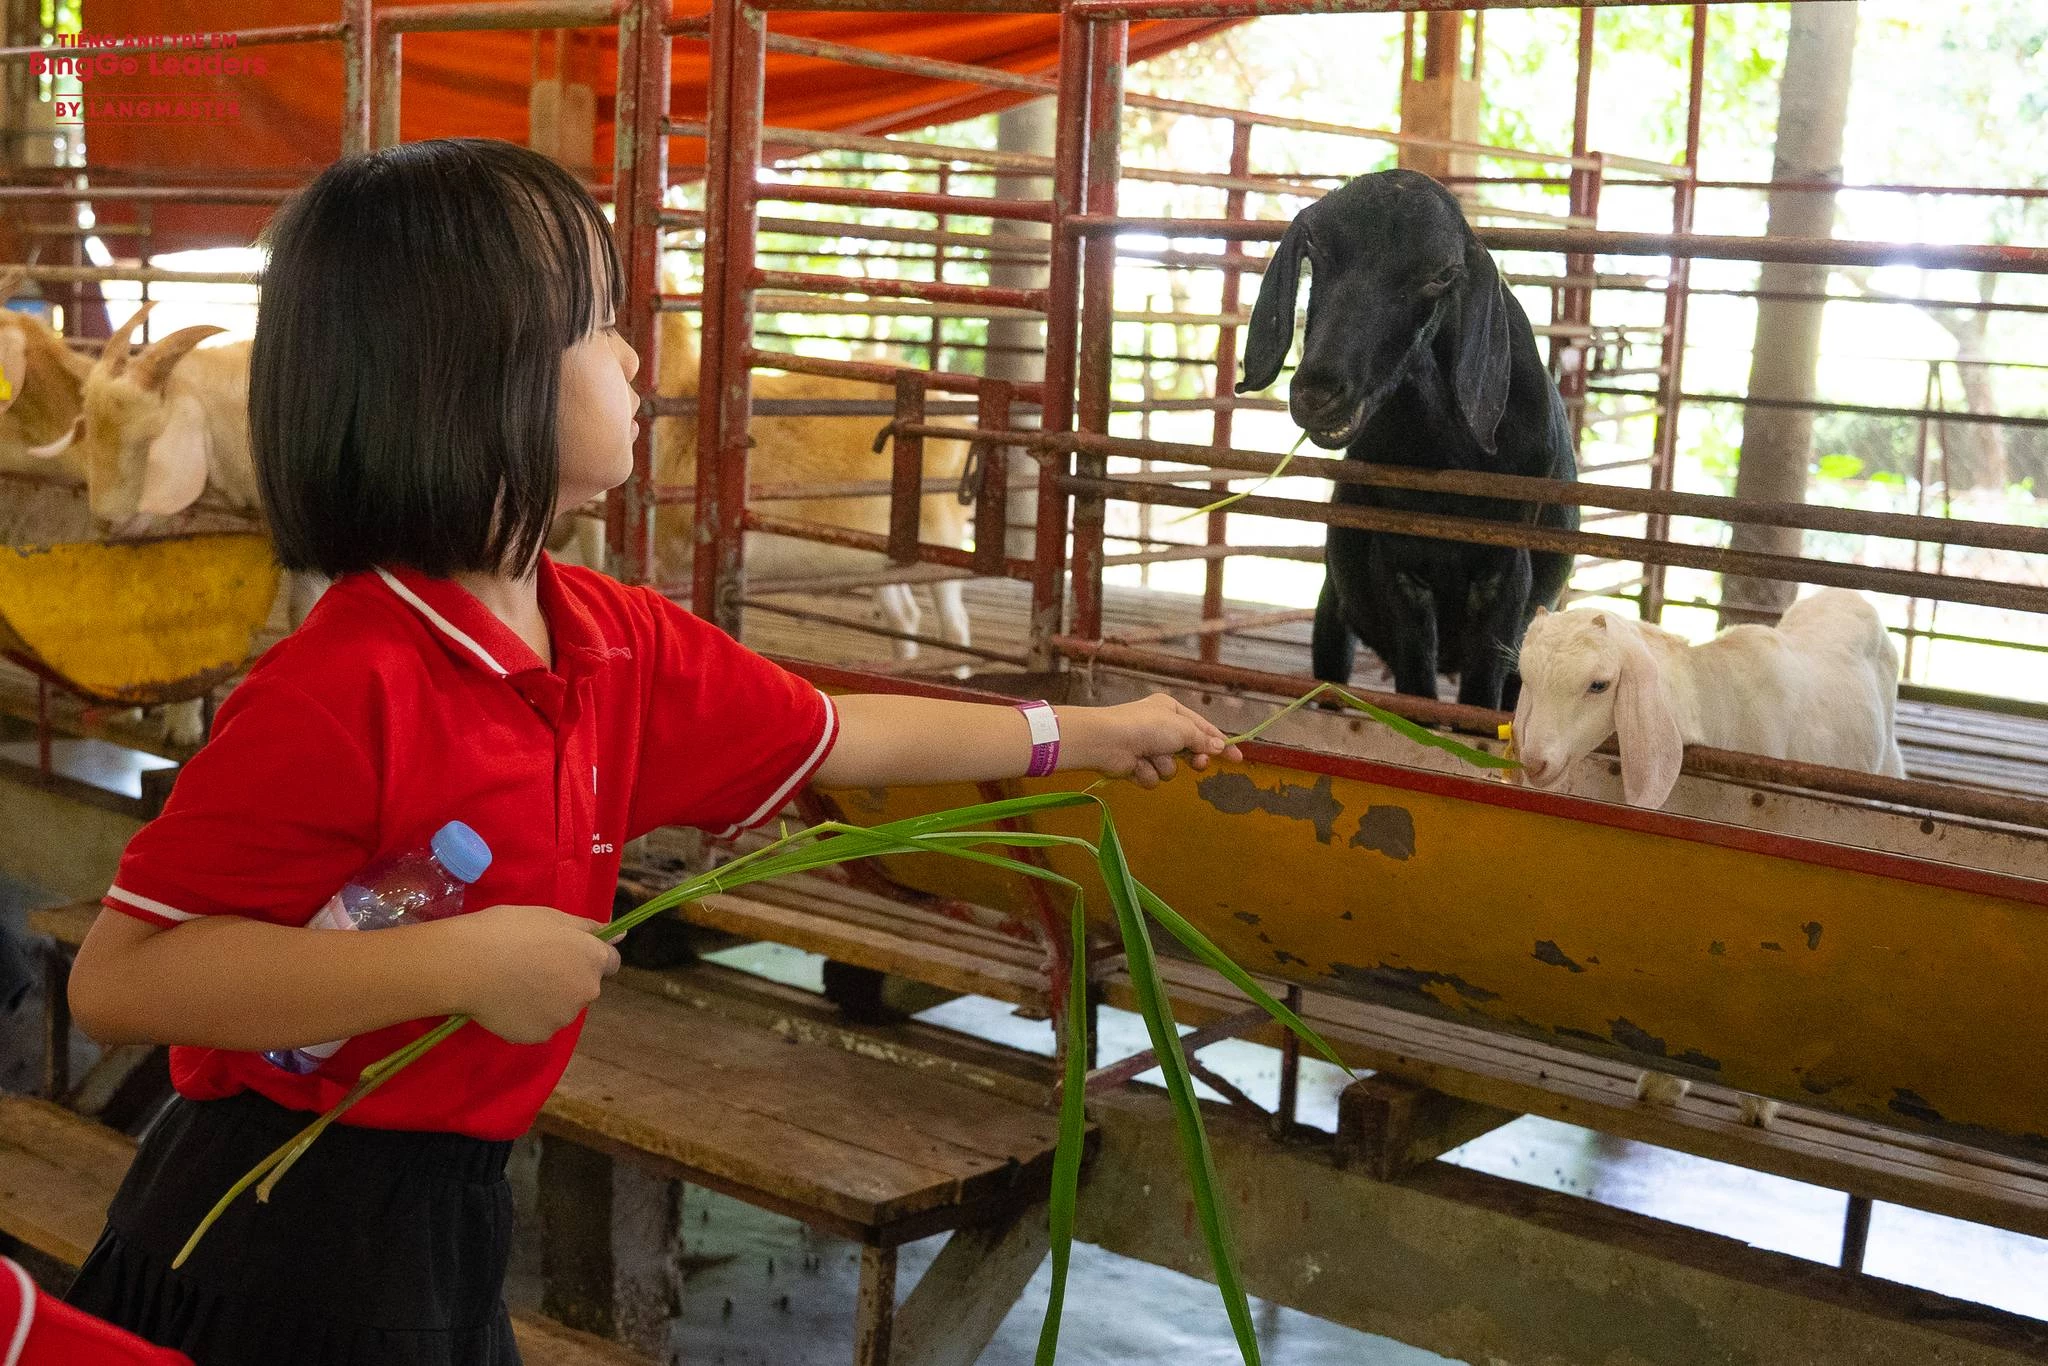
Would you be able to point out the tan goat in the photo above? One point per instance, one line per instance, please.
(40, 379)
(166, 430)
(797, 450)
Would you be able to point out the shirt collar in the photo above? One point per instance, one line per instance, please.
(472, 634)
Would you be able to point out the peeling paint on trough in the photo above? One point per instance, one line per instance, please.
(1547, 951)
(1235, 794)
(1409, 981)
(1388, 830)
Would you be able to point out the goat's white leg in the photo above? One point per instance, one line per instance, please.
(184, 722)
(896, 607)
(953, 625)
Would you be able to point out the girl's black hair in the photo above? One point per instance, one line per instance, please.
(402, 391)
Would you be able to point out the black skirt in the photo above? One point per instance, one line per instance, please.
(378, 1248)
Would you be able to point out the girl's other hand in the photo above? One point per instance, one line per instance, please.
(526, 972)
(1138, 740)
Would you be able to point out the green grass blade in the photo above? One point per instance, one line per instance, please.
(1073, 1136)
(1143, 970)
(1220, 962)
(1401, 725)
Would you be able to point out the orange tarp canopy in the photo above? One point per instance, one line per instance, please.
(284, 122)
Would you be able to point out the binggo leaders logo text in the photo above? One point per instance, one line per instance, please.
(89, 57)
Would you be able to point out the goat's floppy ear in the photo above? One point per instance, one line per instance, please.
(175, 473)
(1271, 334)
(1652, 748)
(1484, 357)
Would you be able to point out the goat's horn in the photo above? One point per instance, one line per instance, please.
(114, 355)
(10, 280)
(154, 366)
(50, 450)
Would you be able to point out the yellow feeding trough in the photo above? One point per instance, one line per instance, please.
(137, 621)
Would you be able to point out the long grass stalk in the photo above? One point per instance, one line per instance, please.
(959, 833)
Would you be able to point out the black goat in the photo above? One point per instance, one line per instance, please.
(1416, 354)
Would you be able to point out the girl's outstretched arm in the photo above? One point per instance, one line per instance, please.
(885, 739)
(226, 981)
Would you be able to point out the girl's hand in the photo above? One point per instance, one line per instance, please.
(1138, 740)
(526, 972)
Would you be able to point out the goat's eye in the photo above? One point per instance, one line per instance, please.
(1597, 685)
(1443, 281)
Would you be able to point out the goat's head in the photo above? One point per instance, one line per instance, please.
(1395, 265)
(1586, 675)
(144, 451)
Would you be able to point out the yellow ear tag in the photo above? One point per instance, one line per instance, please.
(6, 388)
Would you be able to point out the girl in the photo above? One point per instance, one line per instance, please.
(436, 376)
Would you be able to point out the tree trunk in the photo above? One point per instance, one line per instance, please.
(1017, 345)
(1777, 443)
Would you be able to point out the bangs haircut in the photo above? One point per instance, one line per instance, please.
(404, 385)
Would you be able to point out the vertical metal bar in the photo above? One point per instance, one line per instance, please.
(1408, 47)
(906, 476)
(1920, 473)
(356, 27)
(1098, 305)
(1677, 308)
(935, 346)
(387, 69)
(875, 1313)
(718, 177)
(1855, 1233)
(1569, 353)
(639, 178)
(1063, 288)
(992, 499)
(1211, 645)
(1290, 1072)
(1478, 46)
(722, 464)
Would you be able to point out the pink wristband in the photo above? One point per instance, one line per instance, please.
(1045, 737)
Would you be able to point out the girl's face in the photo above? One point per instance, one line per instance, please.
(596, 424)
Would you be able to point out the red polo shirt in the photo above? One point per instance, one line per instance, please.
(403, 703)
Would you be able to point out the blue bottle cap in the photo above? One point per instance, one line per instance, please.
(462, 851)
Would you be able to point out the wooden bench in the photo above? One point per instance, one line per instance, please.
(882, 1136)
(58, 1174)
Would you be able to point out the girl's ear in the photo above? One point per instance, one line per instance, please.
(1652, 749)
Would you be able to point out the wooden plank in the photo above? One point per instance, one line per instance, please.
(952, 1314)
(805, 1126)
(66, 924)
(543, 1342)
(1387, 1126)
(58, 1174)
(839, 1094)
(845, 939)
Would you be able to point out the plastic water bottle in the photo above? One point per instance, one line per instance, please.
(408, 888)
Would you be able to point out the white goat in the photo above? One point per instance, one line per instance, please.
(795, 450)
(1820, 688)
